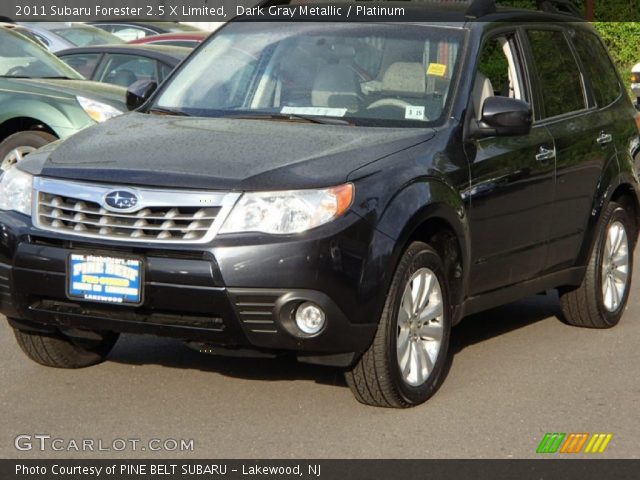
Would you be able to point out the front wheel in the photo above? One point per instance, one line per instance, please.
(405, 364)
(600, 300)
(17, 146)
(62, 351)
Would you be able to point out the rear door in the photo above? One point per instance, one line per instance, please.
(579, 118)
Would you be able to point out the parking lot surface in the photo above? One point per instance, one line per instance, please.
(517, 373)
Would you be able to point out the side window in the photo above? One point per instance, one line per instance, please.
(557, 73)
(164, 70)
(499, 72)
(600, 71)
(128, 32)
(83, 63)
(123, 70)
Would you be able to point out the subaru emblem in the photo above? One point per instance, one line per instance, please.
(121, 200)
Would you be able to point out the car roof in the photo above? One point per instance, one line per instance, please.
(471, 13)
(159, 52)
(159, 27)
(196, 36)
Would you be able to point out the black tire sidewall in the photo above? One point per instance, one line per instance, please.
(615, 214)
(421, 256)
(34, 139)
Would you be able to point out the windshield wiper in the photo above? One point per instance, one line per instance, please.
(58, 77)
(168, 111)
(291, 118)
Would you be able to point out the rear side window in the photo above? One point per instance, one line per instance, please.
(600, 71)
(557, 73)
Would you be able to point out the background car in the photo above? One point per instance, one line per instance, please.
(183, 39)
(128, 31)
(635, 82)
(58, 36)
(24, 31)
(42, 99)
(124, 64)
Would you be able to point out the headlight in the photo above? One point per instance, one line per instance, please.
(15, 191)
(289, 211)
(98, 111)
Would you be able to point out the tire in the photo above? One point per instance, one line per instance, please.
(24, 142)
(377, 379)
(593, 304)
(61, 351)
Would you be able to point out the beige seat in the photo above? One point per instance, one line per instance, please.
(405, 79)
(482, 89)
(336, 86)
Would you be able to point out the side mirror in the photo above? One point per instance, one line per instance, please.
(139, 92)
(503, 116)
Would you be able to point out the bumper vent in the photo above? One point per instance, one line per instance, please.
(5, 289)
(257, 312)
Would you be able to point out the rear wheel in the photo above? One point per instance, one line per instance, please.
(62, 351)
(404, 365)
(15, 147)
(600, 300)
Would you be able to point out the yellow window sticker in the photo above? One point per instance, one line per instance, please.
(437, 69)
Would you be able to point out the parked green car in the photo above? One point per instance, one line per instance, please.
(42, 99)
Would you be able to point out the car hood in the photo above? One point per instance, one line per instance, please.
(218, 153)
(111, 94)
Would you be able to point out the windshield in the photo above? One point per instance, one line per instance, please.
(20, 57)
(86, 36)
(380, 75)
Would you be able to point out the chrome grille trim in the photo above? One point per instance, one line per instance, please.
(160, 216)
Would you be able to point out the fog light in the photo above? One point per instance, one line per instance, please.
(310, 318)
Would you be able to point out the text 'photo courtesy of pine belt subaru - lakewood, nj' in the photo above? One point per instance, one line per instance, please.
(342, 192)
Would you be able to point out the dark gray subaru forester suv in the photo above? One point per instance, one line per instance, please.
(343, 192)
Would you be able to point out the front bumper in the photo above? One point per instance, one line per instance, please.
(235, 293)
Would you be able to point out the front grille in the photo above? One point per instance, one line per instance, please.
(62, 213)
(157, 215)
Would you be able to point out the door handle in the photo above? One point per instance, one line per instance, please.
(545, 154)
(604, 138)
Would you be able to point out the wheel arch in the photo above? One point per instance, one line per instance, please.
(437, 217)
(24, 124)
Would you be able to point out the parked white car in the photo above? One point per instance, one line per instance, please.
(635, 82)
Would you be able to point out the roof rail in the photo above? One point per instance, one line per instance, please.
(480, 8)
(564, 7)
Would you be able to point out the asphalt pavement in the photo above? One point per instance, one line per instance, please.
(517, 373)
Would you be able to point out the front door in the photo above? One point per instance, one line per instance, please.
(512, 181)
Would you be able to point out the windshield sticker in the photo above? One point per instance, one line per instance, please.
(437, 69)
(317, 111)
(413, 112)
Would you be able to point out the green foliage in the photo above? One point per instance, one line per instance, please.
(623, 41)
(621, 37)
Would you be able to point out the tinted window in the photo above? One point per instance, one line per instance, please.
(556, 71)
(599, 69)
(124, 70)
(84, 63)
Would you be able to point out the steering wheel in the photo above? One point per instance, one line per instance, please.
(389, 102)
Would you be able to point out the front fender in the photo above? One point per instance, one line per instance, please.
(64, 116)
(424, 200)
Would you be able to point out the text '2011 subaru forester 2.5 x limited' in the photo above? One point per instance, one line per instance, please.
(345, 192)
